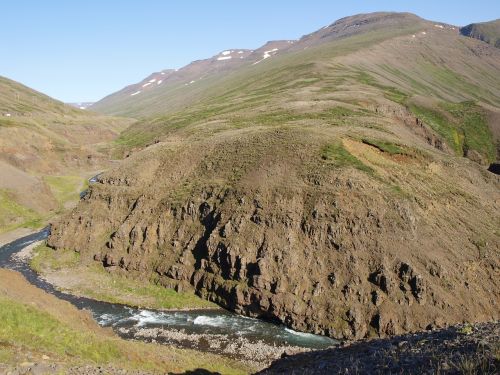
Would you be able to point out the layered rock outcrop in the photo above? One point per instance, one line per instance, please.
(335, 251)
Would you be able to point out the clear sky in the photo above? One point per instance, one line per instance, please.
(82, 50)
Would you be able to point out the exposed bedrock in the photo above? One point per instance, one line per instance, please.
(338, 253)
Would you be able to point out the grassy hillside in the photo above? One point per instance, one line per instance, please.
(339, 80)
(18, 99)
(39, 328)
(47, 150)
(361, 31)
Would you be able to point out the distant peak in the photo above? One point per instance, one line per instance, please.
(488, 32)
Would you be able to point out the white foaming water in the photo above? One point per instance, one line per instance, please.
(241, 326)
(106, 319)
(303, 334)
(218, 321)
(145, 317)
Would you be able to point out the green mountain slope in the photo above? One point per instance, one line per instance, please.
(431, 62)
(202, 78)
(325, 188)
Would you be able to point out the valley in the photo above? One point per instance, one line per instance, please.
(336, 188)
(47, 152)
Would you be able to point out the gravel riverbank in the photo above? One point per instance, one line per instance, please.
(255, 354)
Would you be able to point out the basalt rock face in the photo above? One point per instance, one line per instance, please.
(334, 251)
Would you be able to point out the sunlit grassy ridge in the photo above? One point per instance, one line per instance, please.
(29, 327)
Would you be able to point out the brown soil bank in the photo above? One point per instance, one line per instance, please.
(303, 226)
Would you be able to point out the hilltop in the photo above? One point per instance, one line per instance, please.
(339, 187)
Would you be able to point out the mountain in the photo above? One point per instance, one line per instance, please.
(45, 147)
(338, 187)
(173, 89)
(81, 105)
(124, 102)
(488, 32)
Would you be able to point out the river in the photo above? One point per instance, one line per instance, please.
(217, 331)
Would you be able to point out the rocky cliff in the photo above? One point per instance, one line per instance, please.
(326, 189)
(394, 243)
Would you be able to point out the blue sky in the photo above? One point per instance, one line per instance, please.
(83, 50)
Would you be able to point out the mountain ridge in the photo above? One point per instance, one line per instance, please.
(190, 73)
(356, 165)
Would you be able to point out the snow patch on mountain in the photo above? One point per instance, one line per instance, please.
(267, 54)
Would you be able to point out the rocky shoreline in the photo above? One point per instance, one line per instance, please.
(461, 349)
(254, 354)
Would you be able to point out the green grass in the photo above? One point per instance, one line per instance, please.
(47, 258)
(463, 128)
(65, 188)
(14, 215)
(389, 92)
(473, 124)
(163, 298)
(6, 122)
(28, 329)
(103, 286)
(385, 146)
(145, 131)
(34, 329)
(337, 155)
